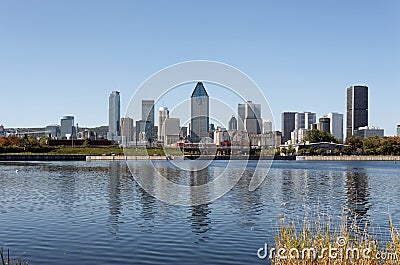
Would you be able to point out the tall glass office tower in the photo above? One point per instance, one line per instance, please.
(114, 115)
(357, 109)
(200, 113)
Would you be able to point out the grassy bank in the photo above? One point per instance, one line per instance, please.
(94, 151)
(319, 245)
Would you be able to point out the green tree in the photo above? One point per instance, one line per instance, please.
(291, 150)
(44, 141)
(301, 152)
(319, 151)
(317, 136)
(372, 145)
(284, 150)
(277, 151)
(336, 152)
(354, 145)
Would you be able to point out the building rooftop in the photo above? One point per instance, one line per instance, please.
(199, 91)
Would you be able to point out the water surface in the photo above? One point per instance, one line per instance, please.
(95, 212)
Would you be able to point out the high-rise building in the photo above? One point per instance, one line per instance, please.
(288, 125)
(232, 124)
(369, 131)
(183, 132)
(304, 120)
(126, 131)
(148, 111)
(53, 131)
(67, 130)
(171, 130)
(114, 115)
(252, 121)
(267, 126)
(398, 129)
(336, 126)
(221, 136)
(200, 113)
(163, 113)
(324, 124)
(143, 131)
(357, 109)
(148, 115)
(297, 136)
(241, 116)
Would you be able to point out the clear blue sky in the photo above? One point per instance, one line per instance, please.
(64, 57)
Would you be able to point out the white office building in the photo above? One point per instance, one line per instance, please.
(163, 114)
(171, 130)
(336, 124)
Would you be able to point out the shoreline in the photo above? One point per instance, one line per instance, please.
(89, 158)
(349, 158)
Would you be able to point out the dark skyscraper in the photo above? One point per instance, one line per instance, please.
(232, 124)
(148, 115)
(357, 109)
(288, 125)
(324, 124)
(200, 113)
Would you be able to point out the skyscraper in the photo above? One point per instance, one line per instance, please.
(114, 115)
(241, 116)
(148, 111)
(67, 129)
(252, 121)
(171, 131)
(267, 126)
(163, 113)
(126, 131)
(200, 113)
(324, 124)
(143, 131)
(148, 115)
(232, 124)
(304, 120)
(398, 129)
(288, 125)
(357, 109)
(336, 126)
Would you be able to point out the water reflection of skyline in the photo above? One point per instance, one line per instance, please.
(114, 197)
(357, 195)
(199, 214)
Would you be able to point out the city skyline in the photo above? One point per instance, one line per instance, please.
(294, 51)
(298, 120)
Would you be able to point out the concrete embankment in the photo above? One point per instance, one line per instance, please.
(203, 157)
(123, 158)
(348, 158)
(42, 157)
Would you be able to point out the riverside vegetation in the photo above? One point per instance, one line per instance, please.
(350, 244)
(353, 146)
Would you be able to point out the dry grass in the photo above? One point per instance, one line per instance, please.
(347, 245)
(7, 260)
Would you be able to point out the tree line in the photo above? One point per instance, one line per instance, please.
(26, 143)
(373, 145)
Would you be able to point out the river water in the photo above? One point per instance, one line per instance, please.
(96, 213)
